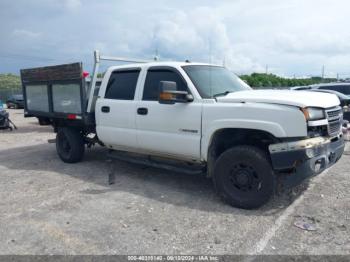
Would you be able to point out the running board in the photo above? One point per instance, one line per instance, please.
(171, 165)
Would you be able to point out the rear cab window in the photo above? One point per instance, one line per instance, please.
(122, 84)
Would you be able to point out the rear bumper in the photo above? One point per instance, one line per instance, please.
(303, 159)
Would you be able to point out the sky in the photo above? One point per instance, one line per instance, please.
(289, 37)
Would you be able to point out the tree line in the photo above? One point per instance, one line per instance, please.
(10, 81)
(255, 80)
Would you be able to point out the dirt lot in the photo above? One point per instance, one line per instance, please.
(48, 207)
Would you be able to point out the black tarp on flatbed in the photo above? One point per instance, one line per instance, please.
(52, 73)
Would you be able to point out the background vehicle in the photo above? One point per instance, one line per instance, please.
(344, 101)
(5, 121)
(193, 118)
(301, 88)
(15, 101)
(343, 88)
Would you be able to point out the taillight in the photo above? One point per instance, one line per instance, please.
(85, 74)
(72, 116)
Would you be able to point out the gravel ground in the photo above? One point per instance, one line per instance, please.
(48, 207)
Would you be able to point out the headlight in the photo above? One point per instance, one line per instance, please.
(313, 113)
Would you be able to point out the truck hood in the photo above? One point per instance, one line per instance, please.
(284, 97)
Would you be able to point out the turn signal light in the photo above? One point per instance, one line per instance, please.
(165, 96)
(306, 113)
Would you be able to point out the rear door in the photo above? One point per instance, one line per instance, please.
(115, 112)
(168, 129)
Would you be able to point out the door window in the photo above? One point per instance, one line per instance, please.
(154, 76)
(122, 85)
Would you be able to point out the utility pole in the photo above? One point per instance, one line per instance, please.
(323, 72)
(156, 57)
(266, 69)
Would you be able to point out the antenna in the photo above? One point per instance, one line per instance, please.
(322, 71)
(156, 57)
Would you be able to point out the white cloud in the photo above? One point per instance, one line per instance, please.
(200, 34)
(291, 36)
(26, 34)
(324, 44)
(72, 4)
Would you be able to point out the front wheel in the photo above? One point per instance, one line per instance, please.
(70, 145)
(243, 177)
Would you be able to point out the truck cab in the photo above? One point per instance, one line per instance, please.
(130, 115)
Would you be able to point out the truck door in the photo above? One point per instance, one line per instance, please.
(168, 129)
(115, 112)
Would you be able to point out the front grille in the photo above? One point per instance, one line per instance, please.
(334, 127)
(334, 114)
(335, 119)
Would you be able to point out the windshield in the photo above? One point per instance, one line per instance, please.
(212, 81)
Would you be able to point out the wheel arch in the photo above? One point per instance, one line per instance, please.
(225, 138)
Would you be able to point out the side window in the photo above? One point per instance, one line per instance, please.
(154, 76)
(122, 85)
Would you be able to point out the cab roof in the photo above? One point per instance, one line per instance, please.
(158, 63)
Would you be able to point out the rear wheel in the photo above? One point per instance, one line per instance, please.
(70, 145)
(243, 177)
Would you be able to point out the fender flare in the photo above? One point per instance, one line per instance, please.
(269, 127)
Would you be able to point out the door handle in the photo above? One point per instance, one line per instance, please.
(105, 109)
(142, 111)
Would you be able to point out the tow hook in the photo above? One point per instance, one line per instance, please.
(331, 157)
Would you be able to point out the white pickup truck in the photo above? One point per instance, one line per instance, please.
(190, 117)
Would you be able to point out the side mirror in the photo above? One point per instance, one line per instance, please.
(168, 94)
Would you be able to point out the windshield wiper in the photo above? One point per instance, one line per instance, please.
(222, 94)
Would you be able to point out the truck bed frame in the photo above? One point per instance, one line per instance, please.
(64, 75)
(57, 75)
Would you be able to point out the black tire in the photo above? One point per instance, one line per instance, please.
(244, 178)
(70, 145)
(8, 105)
